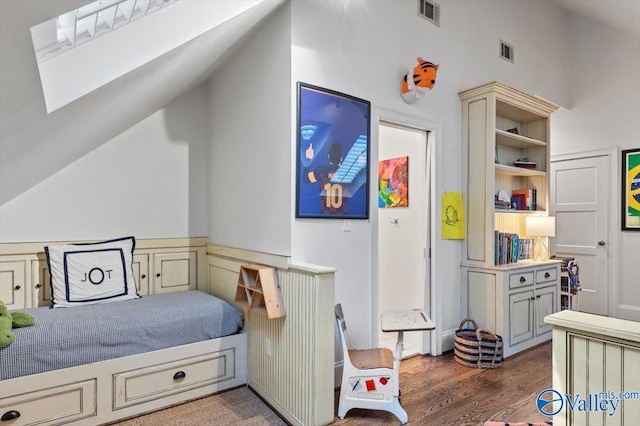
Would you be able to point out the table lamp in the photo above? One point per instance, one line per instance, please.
(541, 227)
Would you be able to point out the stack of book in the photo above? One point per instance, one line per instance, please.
(502, 205)
(525, 199)
(509, 248)
(524, 163)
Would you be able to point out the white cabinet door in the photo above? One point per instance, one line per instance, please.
(175, 271)
(141, 273)
(545, 305)
(521, 317)
(40, 282)
(13, 289)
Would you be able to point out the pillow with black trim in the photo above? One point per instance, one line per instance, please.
(90, 273)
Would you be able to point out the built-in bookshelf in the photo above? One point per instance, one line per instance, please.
(505, 148)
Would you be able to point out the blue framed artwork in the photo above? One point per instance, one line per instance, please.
(332, 167)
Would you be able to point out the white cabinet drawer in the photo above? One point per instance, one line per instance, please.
(149, 383)
(546, 275)
(520, 279)
(54, 406)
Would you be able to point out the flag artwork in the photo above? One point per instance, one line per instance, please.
(631, 190)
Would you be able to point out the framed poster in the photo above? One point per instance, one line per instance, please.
(332, 154)
(631, 190)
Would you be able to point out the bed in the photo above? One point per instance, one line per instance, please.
(100, 363)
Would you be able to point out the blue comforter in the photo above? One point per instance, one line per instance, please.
(66, 337)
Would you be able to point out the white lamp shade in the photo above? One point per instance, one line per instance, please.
(541, 226)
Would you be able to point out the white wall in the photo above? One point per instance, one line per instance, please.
(250, 151)
(363, 49)
(605, 113)
(150, 182)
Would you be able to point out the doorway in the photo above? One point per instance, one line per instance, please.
(403, 277)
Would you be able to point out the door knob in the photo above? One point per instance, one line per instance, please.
(601, 243)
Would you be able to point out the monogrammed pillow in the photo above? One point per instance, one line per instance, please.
(88, 273)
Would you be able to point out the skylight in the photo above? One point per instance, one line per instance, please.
(87, 22)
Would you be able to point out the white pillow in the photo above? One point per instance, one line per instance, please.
(89, 273)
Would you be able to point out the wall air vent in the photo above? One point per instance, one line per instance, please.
(429, 11)
(506, 51)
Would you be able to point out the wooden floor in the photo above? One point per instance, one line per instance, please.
(439, 391)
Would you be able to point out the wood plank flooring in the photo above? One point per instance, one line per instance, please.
(439, 391)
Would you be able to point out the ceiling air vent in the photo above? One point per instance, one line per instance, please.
(506, 51)
(429, 11)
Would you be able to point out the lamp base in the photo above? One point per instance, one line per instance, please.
(541, 250)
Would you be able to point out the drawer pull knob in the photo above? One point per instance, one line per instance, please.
(10, 415)
(522, 279)
(158, 275)
(532, 298)
(547, 275)
(538, 297)
(38, 285)
(143, 276)
(17, 287)
(179, 375)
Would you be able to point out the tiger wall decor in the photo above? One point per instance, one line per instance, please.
(416, 82)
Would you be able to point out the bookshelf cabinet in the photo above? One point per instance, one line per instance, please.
(502, 125)
(258, 291)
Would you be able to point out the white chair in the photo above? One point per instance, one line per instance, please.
(370, 377)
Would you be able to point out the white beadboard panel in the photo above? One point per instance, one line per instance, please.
(631, 383)
(297, 379)
(600, 364)
(613, 380)
(596, 369)
(299, 374)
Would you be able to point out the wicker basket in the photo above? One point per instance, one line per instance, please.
(476, 347)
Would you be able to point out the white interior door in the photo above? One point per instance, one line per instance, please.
(581, 201)
(402, 236)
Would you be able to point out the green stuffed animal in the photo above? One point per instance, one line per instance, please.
(10, 320)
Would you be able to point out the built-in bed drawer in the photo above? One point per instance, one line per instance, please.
(53, 406)
(149, 383)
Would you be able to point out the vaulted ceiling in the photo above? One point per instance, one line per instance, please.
(34, 144)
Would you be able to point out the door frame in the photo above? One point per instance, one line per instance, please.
(613, 161)
(433, 130)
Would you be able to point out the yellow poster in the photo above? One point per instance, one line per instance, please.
(452, 216)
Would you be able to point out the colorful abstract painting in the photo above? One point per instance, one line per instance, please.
(393, 182)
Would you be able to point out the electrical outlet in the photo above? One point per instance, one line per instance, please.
(346, 226)
(268, 347)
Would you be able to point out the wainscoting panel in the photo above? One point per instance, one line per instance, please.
(596, 358)
(291, 359)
